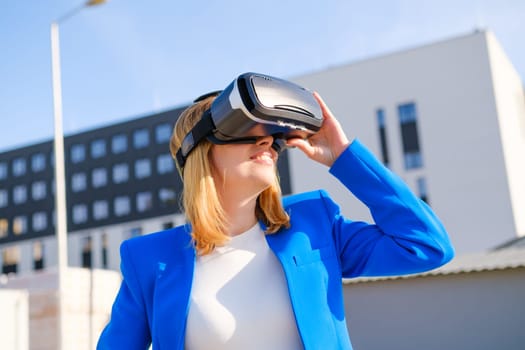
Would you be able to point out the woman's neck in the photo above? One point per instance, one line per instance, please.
(240, 212)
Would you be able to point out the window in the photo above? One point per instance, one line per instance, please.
(86, 252)
(99, 177)
(134, 232)
(121, 206)
(142, 168)
(19, 167)
(4, 227)
(3, 171)
(412, 160)
(165, 164)
(141, 138)
(167, 195)
(38, 162)
(409, 134)
(104, 250)
(120, 173)
(100, 209)
(80, 213)
(407, 113)
(4, 198)
(38, 190)
(39, 221)
(422, 188)
(38, 255)
(20, 225)
(162, 133)
(380, 116)
(78, 182)
(119, 144)
(78, 153)
(10, 258)
(167, 225)
(19, 194)
(98, 148)
(144, 201)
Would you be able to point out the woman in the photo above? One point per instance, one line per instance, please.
(251, 271)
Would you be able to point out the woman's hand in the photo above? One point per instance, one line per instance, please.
(328, 143)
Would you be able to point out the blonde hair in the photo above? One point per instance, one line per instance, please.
(200, 199)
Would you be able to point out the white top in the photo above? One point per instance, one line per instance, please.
(240, 300)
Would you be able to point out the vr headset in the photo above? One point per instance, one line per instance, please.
(251, 106)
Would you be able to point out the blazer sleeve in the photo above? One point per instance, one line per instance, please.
(406, 237)
(128, 327)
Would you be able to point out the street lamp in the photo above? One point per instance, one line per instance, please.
(60, 177)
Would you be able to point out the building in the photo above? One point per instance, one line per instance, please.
(475, 302)
(121, 182)
(449, 118)
(86, 301)
(109, 181)
(14, 322)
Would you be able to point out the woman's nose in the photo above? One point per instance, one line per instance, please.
(265, 140)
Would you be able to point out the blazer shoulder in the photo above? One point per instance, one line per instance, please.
(177, 238)
(305, 197)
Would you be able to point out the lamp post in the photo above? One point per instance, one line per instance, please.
(60, 177)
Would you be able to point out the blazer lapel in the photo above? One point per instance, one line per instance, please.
(307, 292)
(287, 245)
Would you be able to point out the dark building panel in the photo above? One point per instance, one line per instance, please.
(381, 122)
(412, 155)
(152, 187)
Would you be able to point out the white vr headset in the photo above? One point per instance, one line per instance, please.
(269, 105)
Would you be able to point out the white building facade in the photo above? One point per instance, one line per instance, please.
(449, 118)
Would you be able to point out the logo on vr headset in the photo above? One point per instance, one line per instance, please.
(291, 125)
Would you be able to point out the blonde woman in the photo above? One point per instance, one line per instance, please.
(251, 270)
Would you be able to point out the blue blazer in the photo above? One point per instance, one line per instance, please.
(316, 252)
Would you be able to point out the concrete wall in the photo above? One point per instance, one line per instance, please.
(115, 235)
(467, 311)
(87, 301)
(14, 319)
(510, 104)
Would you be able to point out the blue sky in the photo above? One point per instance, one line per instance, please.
(130, 58)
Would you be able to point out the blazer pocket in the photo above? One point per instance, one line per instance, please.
(315, 255)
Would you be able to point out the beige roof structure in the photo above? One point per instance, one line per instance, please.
(510, 255)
